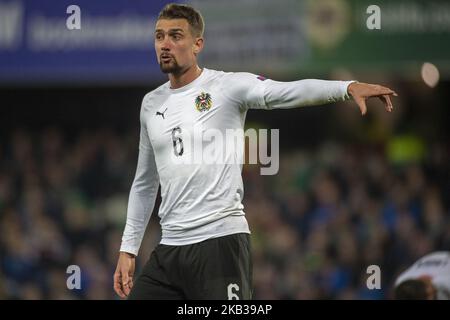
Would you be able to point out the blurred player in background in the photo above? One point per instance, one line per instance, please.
(427, 279)
(204, 252)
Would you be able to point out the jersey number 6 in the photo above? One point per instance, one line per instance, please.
(177, 141)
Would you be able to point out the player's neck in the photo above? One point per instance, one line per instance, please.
(182, 79)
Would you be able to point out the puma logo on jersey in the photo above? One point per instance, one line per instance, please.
(161, 113)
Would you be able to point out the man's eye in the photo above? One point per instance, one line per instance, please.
(176, 36)
(159, 37)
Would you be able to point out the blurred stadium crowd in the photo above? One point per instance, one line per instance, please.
(317, 225)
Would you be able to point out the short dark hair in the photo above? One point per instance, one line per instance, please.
(413, 289)
(183, 11)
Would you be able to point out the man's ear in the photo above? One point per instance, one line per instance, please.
(198, 46)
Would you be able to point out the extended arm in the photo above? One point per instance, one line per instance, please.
(253, 92)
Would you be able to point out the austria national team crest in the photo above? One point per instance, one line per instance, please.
(203, 102)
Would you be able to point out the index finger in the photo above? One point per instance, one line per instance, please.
(386, 91)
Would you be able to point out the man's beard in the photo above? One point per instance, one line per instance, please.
(172, 67)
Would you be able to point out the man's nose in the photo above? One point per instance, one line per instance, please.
(165, 45)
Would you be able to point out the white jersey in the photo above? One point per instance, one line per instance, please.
(202, 201)
(435, 265)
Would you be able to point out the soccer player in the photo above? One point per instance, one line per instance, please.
(427, 279)
(204, 252)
